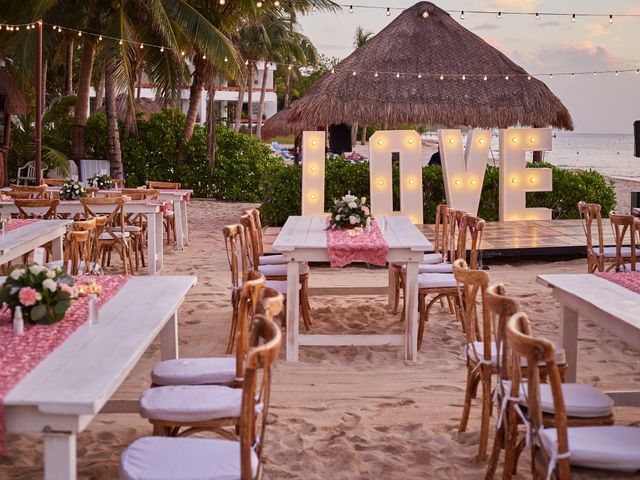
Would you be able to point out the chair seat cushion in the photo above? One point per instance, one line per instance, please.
(190, 403)
(93, 267)
(162, 458)
(272, 259)
(610, 252)
(436, 280)
(479, 353)
(108, 236)
(605, 448)
(432, 268)
(280, 270)
(132, 228)
(432, 258)
(168, 214)
(580, 400)
(194, 371)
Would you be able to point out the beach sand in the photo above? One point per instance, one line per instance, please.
(344, 413)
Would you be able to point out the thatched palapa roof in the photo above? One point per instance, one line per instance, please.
(146, 106)
(280, 124)
(410, 55)
(15, 100)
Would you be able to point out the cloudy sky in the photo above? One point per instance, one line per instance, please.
(600, 104)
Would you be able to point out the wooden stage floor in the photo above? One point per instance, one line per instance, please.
(519, 238)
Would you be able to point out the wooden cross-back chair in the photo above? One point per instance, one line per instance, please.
(35, 208)
(624, 230)
(199, 457)
(271, 259)
(556, 445)
(276, 272)
(599, 257)
(86, 249)
(163, 185)
(29, 191)
(112, 234)
(136, 223)
(236, 248)
(55, 182)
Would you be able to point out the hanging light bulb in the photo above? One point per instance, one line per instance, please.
(420, 75)
(441, 77)
(464, 77)
(259, 4)
(354, 73)
(506, 77)
(222, 2)
(551, 75)
(100, 38)
(499, 15)
(120, 42)
(398, 75)
(616, 73)
(375, 74)
(161, 49)
(59, 29)
(314, 8)
(246, 62)
(350, 8)
(462, 15)
(595, 74)
(289, 67)
(537, 16)
(610, 18)
(573, 74)
(55, 27)
(276, 4)
(183, 53)
(333, 70)
(425, 14)
(637, 71)
(204, 57)
(573, 17)
(79, 34)
(141, 46)
(485, 78)
(388, 11)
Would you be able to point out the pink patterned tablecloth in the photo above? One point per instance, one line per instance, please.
(366, 245)
(16, 223)
(629, 280)
(19, 354)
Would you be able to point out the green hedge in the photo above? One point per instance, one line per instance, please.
(281, 190)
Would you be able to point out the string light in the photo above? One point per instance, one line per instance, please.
(314, 8)
(222, 2)
(610, 18)
(398, 75)
(464, 77)
(537, 16)
(388, 12)
(100, 38)
(161, 49)
(499, 15)
(441, 77)
(425, 14)
(350, 8)
(259, 4)
(420, 75)
(573, 17)
(276, 4)
(485, 78)
(375, 74)
(462, 15)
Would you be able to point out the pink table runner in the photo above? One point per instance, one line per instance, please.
(14, 224)
(346, 246)
(19, 354)
(629, 280)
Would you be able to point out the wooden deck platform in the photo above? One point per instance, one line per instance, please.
(526, 238)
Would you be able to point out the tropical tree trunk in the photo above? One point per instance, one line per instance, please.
(237, 120)
(81, 109)
(100, 90)
(363, 136)
(263, 94)
(68, 69)
(250, 99)
(195, 98)
(113, 135)
(212, 124)
(287, 89)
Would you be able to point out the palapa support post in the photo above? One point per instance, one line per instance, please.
(38, 129)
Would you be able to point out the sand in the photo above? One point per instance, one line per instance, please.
(344, 413)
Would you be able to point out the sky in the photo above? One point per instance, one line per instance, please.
(598, 104)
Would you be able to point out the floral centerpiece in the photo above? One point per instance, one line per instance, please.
(72, 191)
(102, 182)
(43, 293)
(350, 212)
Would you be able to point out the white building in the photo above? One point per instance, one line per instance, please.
(224, 96)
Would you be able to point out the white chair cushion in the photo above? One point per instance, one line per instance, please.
(108, 236)
(610, 252)
(93, 267)
(272, 259)
(605, 448)
(280, 270)
(580, 400)
(132, 228)
(190, 403)
(278, 285)
(432, 258)
(432, 268)
(479, 349)
(194, 371)
(163, 458)
(436, 280)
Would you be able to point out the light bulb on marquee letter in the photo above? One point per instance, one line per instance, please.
(313, 152)
(516, 179)
(464, 171)
(382, 145)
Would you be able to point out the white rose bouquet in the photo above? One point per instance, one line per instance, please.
(43, 293)
(102, 182)
(350, 212)
(72, 191)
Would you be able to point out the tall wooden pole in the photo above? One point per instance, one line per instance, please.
(38, 135)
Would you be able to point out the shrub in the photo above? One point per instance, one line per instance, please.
(281, 190)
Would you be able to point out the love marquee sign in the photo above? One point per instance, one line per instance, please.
(463, 171)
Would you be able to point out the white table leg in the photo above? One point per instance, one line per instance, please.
(569, 340)
(169, 339)
(56, 249)
(392, 285)
(159, 241)
(59, 456)
(177, 212)
(152, 225)
(185, 221)
(293, 310)
(411, 311)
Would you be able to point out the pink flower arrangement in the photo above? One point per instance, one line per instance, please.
(28, 296)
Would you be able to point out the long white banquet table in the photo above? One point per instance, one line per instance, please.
(608, 304)
(24, 239)
(61, 396)
(304, 239)
(155, 254)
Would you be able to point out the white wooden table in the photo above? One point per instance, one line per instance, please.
(612, 306)
(24, 239)
(155, 253)
(61, 396)
(304, 239)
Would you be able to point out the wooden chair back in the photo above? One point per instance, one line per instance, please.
(472, 285)
(117, 182)
(470, 228)
(140, 193)
(440, 229)
(249, 296)
(254, 213)
(89, 226)
(32, 192)
(538, 352)
(77, 249)
(236, 247)
(501, 308)
(163, 185)
(450, 240)
(590, 213)
(253, 242)
(91, 191)
(34, 208)
(265, 343)
(623, 226)
(114, 219)
(57, 182)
